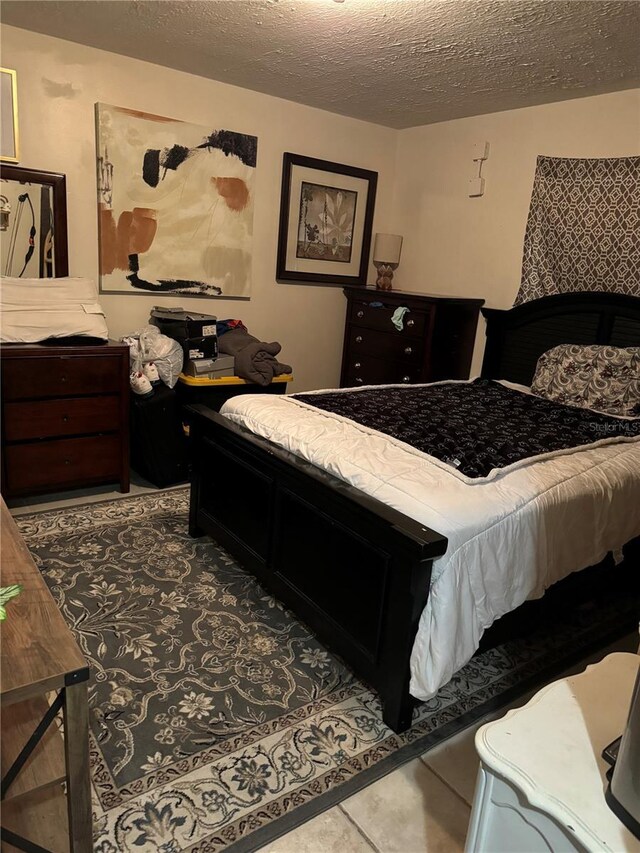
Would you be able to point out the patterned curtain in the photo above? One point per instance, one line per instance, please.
(583, 231)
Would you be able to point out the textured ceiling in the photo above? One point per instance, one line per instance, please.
(394, 62)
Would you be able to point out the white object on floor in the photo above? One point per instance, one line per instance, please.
(34, 309)
(542, 778)
(509, 539)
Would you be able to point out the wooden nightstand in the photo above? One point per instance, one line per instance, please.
(65, 416)
(435, 342)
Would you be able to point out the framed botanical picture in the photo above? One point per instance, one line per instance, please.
(326, 216)
(9, 116)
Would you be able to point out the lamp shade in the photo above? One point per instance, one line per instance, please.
(386, 248)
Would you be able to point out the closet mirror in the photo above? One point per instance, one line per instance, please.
(33, 223)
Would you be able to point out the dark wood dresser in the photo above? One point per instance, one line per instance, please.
(435, 342)
(65, 416)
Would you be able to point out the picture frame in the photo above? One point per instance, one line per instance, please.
(175, 206)
(9, 139)
(326, 221)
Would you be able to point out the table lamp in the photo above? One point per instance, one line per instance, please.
(386, 257)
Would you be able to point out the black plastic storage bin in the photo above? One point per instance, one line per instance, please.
(158, 442)
(196, 333)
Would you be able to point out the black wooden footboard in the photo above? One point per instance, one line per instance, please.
(356, 571)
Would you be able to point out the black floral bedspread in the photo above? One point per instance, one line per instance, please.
(476, 427)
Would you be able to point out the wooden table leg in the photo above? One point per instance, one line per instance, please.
(76, 740)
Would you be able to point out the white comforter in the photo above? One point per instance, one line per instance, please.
(509, 539)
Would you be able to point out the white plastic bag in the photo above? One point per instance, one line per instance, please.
(135, 363)
(149, 344)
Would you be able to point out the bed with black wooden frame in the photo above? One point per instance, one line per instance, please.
(355, 570)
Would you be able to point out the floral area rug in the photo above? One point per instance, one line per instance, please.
(218, 721)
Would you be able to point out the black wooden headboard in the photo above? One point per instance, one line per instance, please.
(516, 338)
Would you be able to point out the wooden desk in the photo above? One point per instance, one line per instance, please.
(39, 655)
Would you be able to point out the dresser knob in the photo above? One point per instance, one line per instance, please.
(65, 419)
(406, 379)
(63, 379)
(408, 350)
(67, 462)
(359, 339)
(358, 380)
(360, 314)
(411, 323)
(357, 365)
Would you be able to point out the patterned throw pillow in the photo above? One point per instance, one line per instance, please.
(591, 376)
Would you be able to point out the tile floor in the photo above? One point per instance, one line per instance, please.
(58, 500)
(423, 807)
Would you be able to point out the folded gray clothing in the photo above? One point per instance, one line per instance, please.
(254, 360)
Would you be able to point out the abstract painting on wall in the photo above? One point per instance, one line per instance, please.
(175, 205)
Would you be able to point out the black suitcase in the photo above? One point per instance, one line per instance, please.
(158, 442)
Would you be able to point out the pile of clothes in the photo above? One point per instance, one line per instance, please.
(255, 360)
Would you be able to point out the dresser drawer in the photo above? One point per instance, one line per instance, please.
(69, 416)
(29, 378)
(414, 322)
(46, 464)
(384, 345)
(436, 340)
(369, 370)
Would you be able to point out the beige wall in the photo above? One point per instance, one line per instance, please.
(452, 243)
(473, 246)
(58, 84)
